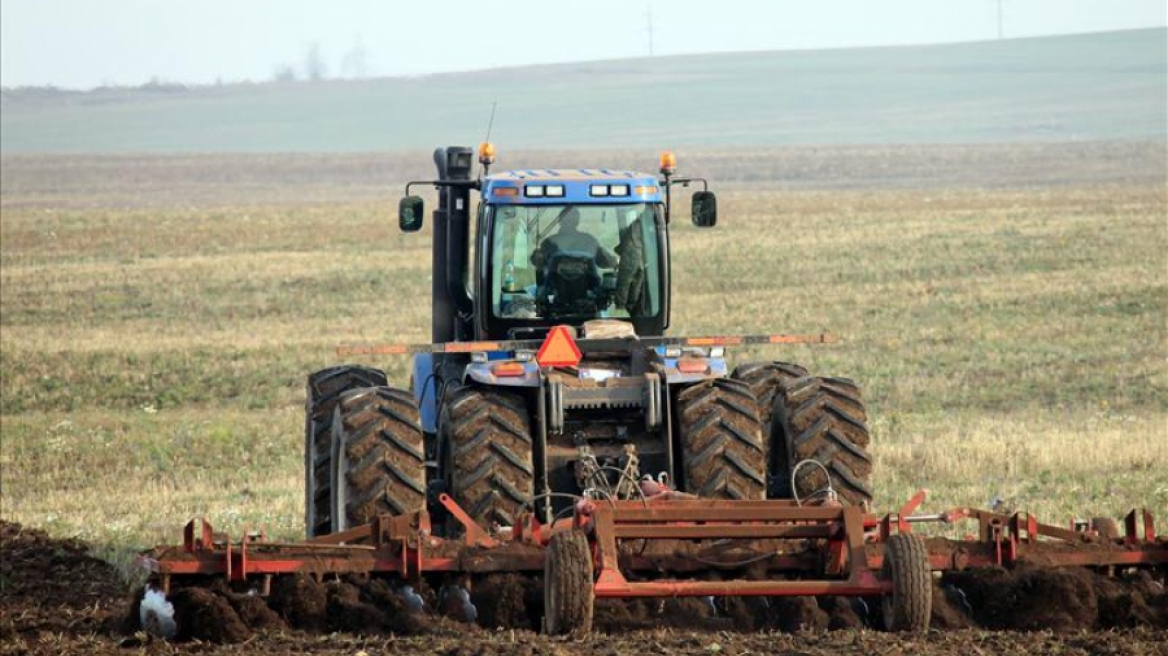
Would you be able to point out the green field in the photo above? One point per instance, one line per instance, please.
(1011, 338)
(1070, 88)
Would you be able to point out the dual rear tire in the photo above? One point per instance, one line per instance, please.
(811, 418)
(486, 439)
(723, 451)
(364, 450)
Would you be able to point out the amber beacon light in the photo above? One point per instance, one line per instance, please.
(668, 163)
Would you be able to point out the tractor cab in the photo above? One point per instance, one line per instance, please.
(550, 247)
(558, 247)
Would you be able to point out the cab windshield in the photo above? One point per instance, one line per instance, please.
(574, 261)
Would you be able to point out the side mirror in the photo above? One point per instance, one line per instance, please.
(705, 209)
(409, 214)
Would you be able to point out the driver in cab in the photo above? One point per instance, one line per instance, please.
(570, 239)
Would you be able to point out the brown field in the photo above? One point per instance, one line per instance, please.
(1005, 308)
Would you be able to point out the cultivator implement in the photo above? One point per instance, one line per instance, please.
(674, 547)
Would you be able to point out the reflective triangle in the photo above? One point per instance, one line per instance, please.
(559, 349)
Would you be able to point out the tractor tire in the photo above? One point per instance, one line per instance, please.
(820, 419)
(906, 564)
(325, 388)
(765, 380)
(721, 440)
(568, 595)
(378, 457)
(487, 454)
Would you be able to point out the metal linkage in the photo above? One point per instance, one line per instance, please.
(645, 547)
(842, 569)
(1006, 540)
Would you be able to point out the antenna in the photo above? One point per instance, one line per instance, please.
(999, 19)
(491, 123)
(649, 27)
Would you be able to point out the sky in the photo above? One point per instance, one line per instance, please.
(88, 43)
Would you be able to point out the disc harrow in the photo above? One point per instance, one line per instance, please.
(668, 547)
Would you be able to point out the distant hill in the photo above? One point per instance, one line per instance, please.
(1102, 86)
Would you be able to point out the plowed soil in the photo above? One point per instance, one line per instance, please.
(58, 598)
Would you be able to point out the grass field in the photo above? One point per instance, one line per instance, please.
(1066, 88)
(1011, 339)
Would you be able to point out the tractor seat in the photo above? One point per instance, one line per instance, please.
(571, 279)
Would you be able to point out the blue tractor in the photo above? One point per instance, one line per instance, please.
(550, 377)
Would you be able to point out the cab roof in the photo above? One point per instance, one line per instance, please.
(571, 174)
(559, 186)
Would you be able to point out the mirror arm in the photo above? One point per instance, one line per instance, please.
(463, 184)
(685, 182)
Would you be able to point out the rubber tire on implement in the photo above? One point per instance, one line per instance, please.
(823, 419)
(325, 388)
(906, 564)
(378, 459)
(721, 440)
(568, 595)
(487, 453)
(765, 380)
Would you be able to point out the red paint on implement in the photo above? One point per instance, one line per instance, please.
(559, 349)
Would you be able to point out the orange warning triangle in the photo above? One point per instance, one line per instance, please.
(559, 349)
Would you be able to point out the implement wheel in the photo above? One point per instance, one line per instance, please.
(486, 442)
(325, 388)
(822, 419)
(906, 565)
(721, 440)
(378, 458)
(567, 585)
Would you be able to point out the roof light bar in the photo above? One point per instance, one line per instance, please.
(603, 190)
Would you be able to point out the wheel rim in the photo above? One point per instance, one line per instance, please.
(339, 470)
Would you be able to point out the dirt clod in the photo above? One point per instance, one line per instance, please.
(950, 608)
(51, 584)
(301, 600)
(201, 614)
(254, 611)
(396, 616)
(841, 613)
(791, 614)
(1060, 600)
(505, 601)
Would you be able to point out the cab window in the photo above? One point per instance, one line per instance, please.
(574, 261)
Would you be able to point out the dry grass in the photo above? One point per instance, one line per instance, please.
(1012, 342)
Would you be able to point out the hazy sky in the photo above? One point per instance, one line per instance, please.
(84, 43)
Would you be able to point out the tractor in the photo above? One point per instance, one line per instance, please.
(550, 377)
(553, 431)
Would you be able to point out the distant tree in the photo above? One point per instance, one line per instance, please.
(284, 73)
(315, 68)
(355, 62)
